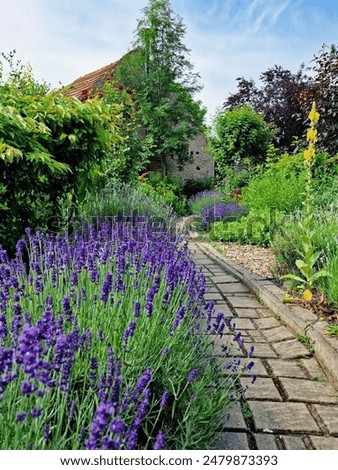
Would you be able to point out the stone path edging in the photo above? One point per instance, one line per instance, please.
(297, 319)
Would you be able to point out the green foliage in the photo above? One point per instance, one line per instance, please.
(169, 189)
(236, 177)
(50, 146)
(193, 186)
(238, 134)
(277, 187)
(257, 228)
(303, 338)
(160, 74)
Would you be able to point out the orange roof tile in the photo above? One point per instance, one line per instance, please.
(91, 81)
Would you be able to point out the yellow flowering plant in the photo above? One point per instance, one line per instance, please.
(308, 255)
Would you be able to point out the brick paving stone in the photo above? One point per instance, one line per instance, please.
(258, 369)
(232, 440)
(329, 416)
(267, 323)
(213, 296)
(231, 288)
(223, 279)
(262, 350)
(313, 368)
(278, 334)
(266, 442)
(292, 349)
(224, 309)
(294, 443)
(244, 302)
(257, 336)
(324, 443)
(264, 312)
(244, 324)
(247, 312)
(236, 419)
(308, 391)
(282, 417)
(262, 389)
(212, 289)
(282, 368)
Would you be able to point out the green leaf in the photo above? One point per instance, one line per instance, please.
(294, 278)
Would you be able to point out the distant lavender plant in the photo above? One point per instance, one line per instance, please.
(220, 212)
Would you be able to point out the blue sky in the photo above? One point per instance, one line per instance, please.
(64, 39)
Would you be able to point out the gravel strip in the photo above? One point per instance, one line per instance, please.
(256, 259)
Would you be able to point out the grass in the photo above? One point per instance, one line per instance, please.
(304, 339)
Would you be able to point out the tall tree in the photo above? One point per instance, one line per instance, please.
(325, 93)
(280, 99)
(162, 79)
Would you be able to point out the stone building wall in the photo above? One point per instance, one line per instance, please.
(201, 167)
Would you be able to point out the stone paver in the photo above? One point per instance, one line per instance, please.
(291, 349)
(324, 443)
(244, 302)
(313, 368)
(292, 403)
(262, 389)
(266, 442)
(258, 369)
(267, 323)
(329, 416)
(280, 333)
(223, 279)
(294, 443)
(234, 287)
(232, 440)
(308, 391)
(282, 368)
(247, 313)
(282, 417)
(235, 420)
(260, 350)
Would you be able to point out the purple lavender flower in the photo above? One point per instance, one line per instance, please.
(160, 443)
(249, 366)
(220, 212)
(36, 412)
(164, 399)
(117, 426)
(107, 287)
(192, 375)
(21, 416)
(251, 351)
(129, 332)
(137, 308)
(164, 352)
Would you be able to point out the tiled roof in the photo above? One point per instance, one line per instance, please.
(92, 81)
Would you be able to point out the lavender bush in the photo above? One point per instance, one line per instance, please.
(198, 201)
(101, 344)
(220, 213)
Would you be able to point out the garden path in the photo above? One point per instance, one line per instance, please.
(292, 404)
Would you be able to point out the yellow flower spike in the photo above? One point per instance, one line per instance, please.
(307, 295)
(314, 115)
(309, 153)
(311, 135)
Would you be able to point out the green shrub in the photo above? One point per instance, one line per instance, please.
(236, 135)
(275, 188)
(287, 244)
(169, 189)
(257, 228)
